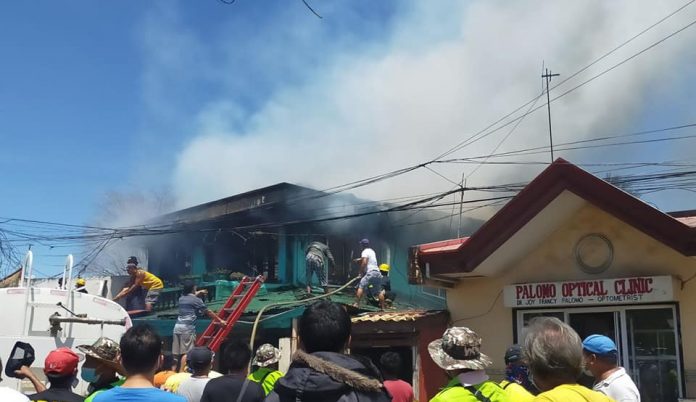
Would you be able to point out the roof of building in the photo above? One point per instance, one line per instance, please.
(558, 191)
(442, 246)
(262, 197)
(288, 294)
(392, 316)
(686, 217)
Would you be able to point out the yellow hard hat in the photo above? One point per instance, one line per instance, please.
(384, 267)
(80, 282)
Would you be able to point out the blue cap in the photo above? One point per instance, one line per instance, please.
(599, 345)
(364, 241)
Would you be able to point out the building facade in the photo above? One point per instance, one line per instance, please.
(574, 247)
(265, 232)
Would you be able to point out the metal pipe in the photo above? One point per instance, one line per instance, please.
(55, 320)
(67, 282)
(27, 263)
(27, 267)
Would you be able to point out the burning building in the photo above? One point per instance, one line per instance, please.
(265, 232)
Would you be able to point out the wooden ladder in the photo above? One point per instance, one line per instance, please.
(216, 333)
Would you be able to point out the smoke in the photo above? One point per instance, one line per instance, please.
(439, 72)
(121, 209)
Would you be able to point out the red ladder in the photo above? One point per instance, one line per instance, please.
(215, 334)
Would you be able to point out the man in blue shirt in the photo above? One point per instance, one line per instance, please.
(141, 354)
(190, 308)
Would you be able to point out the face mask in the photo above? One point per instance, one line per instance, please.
(89, 375)
(585, 370)
(520, 374)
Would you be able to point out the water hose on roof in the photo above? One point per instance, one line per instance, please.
(294, 302)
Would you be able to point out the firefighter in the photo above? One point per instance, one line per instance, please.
(80, 285)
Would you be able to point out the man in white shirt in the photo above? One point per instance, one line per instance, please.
(369, 270)
(8, 394)
(200, 360)
(601, 355)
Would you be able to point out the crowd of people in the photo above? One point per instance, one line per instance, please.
(545, 368)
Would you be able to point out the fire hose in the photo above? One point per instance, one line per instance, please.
(290, 303)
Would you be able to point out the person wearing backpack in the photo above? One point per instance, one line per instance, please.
(458, 352)
(267, 373)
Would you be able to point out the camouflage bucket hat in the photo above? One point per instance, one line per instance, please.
(104, 349)
(459, 348)
(266, 355)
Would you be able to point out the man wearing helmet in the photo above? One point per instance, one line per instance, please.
(380, 294)
(80, 285)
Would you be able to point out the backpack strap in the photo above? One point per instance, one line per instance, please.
(477, 394)
(243, 390)
(265, 375)
(507, 384)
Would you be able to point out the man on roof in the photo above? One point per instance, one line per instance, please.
(380, 294)
(317, 255)
(369, 270)
(141, 282)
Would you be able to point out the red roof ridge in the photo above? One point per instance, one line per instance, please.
(559, 176)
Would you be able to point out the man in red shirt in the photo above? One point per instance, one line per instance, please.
(400, 390)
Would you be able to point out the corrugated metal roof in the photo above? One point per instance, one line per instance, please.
(391, 316)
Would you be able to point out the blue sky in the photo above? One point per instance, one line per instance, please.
(74, 119)
(208, 99)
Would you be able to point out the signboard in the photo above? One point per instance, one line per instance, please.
(644, 289)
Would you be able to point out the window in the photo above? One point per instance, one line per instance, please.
(645, 335)
(440, 293)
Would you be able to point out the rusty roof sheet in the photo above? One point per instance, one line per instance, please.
(391, 316)
(442, 246)
(687, 220)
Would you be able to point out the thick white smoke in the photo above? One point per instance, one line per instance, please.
(443, 73)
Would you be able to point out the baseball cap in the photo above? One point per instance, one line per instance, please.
(365, 241)
(61, 362)
(513, 354)
(599, 345)
(199, 357)
(132, 260)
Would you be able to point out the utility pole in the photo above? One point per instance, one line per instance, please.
(547, 76)
(461, 206)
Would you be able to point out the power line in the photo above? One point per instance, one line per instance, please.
(472, 137)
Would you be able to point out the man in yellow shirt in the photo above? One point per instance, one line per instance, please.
(516, 382)
(553, 351)
(141, 281)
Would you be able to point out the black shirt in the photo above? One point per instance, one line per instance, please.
(227, 389)
(57, 395)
